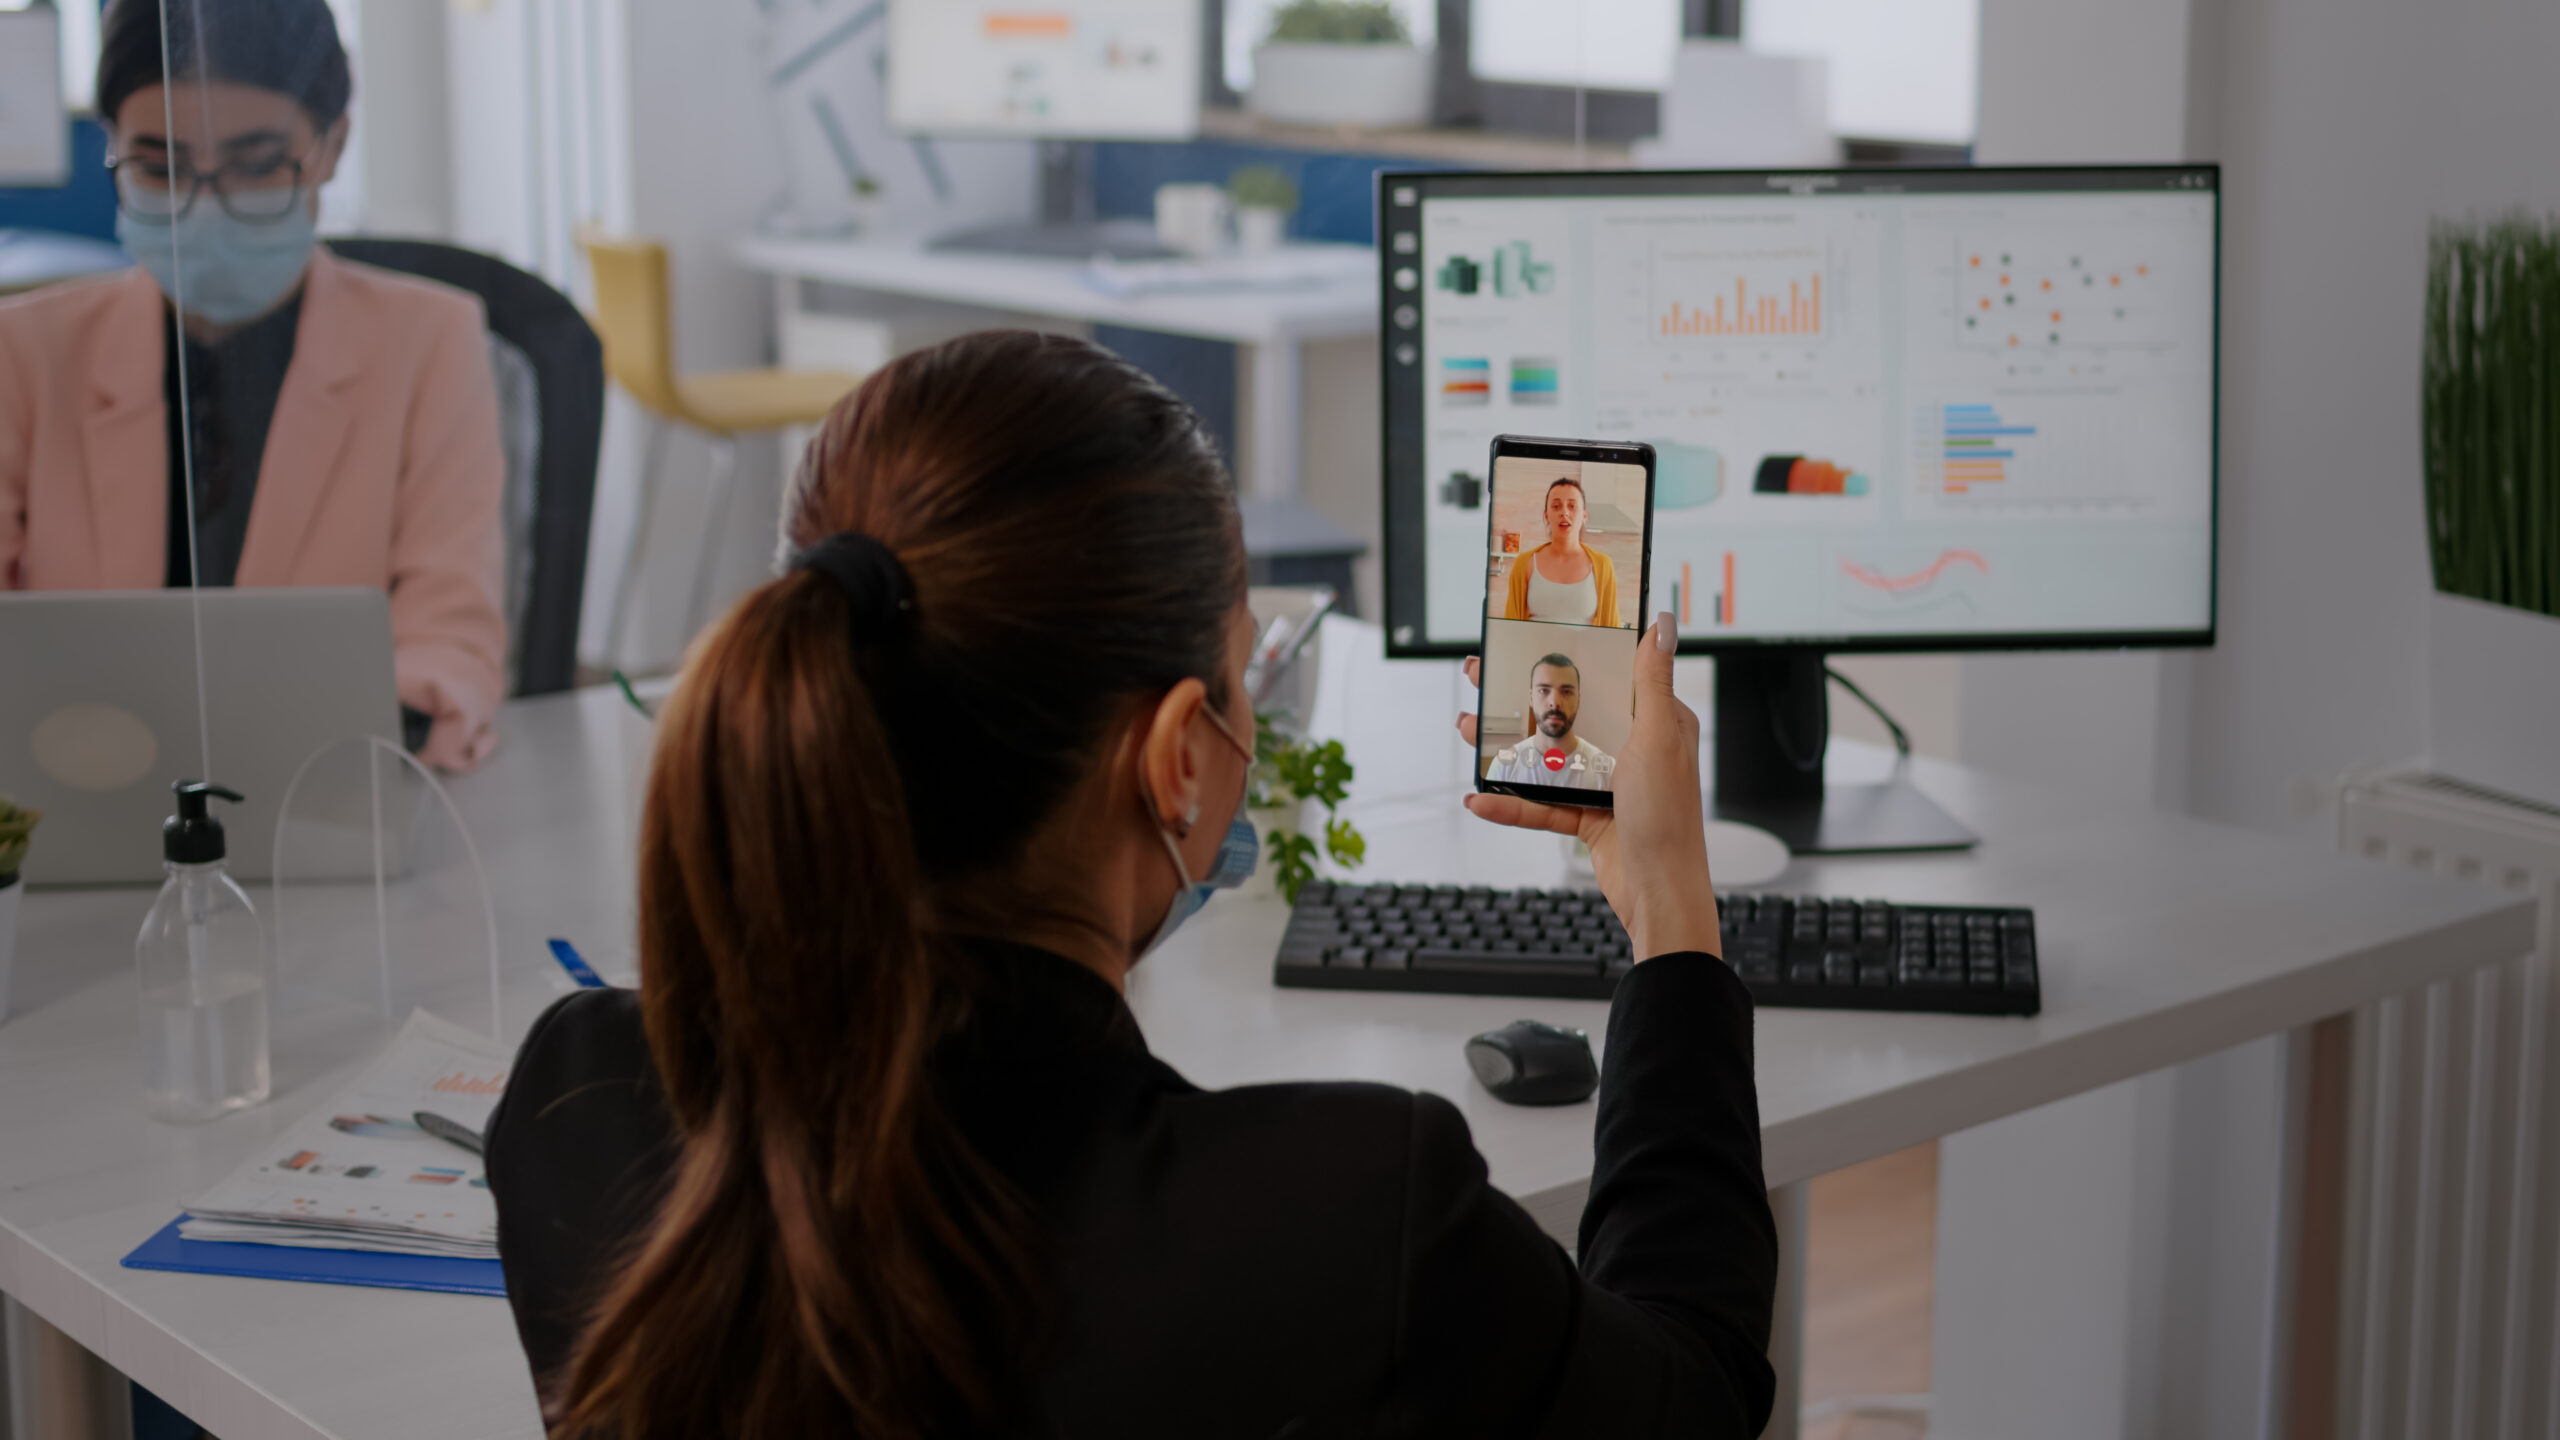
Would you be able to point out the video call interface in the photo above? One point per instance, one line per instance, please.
(1885, 415)
(1562, 597)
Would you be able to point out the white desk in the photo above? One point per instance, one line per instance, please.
(2163, 939)
(1267, 327)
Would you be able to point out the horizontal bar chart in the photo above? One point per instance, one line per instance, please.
(1977, 445)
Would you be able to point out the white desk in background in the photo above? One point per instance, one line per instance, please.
(1266, 326)
(2163, 939)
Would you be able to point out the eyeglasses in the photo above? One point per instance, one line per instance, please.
(260, 191)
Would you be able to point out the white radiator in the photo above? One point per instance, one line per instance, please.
(2449, 1316)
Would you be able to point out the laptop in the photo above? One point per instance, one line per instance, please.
(99, 713)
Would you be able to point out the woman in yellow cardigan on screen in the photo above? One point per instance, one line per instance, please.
(1564, 581)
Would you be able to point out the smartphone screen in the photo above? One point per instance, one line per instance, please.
(1568, 558)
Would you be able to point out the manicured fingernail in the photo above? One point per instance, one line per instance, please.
(1666, 634)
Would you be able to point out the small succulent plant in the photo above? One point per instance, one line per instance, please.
(1341, 22)
(1263, 187)
(16, 827)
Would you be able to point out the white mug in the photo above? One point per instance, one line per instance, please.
(1193, 218)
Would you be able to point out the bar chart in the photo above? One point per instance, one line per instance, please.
(1513, 269)
(1702, 292)
(2050, 453)
(1800, 313)
(1466, 380)
(1684, 594)
(1976, 447)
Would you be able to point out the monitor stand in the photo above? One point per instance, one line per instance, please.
(1066, 229)
(1773, 725)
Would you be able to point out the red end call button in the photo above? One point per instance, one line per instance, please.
(1555, 759)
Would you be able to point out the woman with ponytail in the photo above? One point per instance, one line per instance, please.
(877, 1148)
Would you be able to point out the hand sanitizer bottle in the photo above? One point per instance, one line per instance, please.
(203, 963)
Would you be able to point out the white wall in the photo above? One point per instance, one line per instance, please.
(705, 166)
(2347, 124)
(401, 132)
(489, 117)
(642, 117)
(2074, 82)
(2106, 1264)
(2343, 125)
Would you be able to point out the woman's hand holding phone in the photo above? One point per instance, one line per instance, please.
(1650, 849)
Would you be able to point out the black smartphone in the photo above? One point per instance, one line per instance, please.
(1568, 564)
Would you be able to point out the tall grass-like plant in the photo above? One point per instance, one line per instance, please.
(2492, 410)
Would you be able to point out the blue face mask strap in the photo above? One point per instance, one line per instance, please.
(1238, 854)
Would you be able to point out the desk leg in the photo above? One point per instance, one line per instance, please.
(1269, 420)
(1786, 1323)
(55, 1389)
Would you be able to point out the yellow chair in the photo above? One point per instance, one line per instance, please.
(632, 317)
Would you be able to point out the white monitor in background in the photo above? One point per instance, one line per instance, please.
(1900, 69)
(1604, 44)
(1064, 69)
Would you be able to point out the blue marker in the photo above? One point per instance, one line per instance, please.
(579, 970)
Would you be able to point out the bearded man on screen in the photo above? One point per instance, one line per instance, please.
(1552, 754)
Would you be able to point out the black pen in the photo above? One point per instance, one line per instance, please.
(451, 1131)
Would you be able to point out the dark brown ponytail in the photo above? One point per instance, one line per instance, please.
(830, 1256)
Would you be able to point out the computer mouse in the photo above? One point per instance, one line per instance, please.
(1529, 1062)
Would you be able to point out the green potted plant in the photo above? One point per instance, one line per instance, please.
(1289, 774)
(2491, 449)
(1341, 62)
(16, 828)
(1264, 197)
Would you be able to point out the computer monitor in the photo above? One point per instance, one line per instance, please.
(1894, 409)
(1048, 69)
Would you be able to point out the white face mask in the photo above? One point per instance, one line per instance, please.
(212, 264)
(1237, 856)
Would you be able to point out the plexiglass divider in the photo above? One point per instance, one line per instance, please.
(380, 903)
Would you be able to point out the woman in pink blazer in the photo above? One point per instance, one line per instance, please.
(380, 461)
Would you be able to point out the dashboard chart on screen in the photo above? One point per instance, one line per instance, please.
(1891, 409)
(1087, 68)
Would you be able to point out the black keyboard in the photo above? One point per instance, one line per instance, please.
(1790, 950)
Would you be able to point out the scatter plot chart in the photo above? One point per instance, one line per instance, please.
(2046, 293)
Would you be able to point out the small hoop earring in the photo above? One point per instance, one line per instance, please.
(1190, 818)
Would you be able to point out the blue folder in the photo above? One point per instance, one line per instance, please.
(168, 1250)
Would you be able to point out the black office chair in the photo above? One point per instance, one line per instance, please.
(550, 374)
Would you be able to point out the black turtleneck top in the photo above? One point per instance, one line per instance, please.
(218, 438)
(1296, 1260)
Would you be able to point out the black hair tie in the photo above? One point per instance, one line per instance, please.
(868, 572)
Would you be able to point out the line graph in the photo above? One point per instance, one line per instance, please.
(1920, 579)
(1903, 590)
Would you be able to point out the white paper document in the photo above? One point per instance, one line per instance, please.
(359, 1174)
(1292, 267)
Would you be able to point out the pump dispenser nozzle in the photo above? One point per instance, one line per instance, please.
(193, 836)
